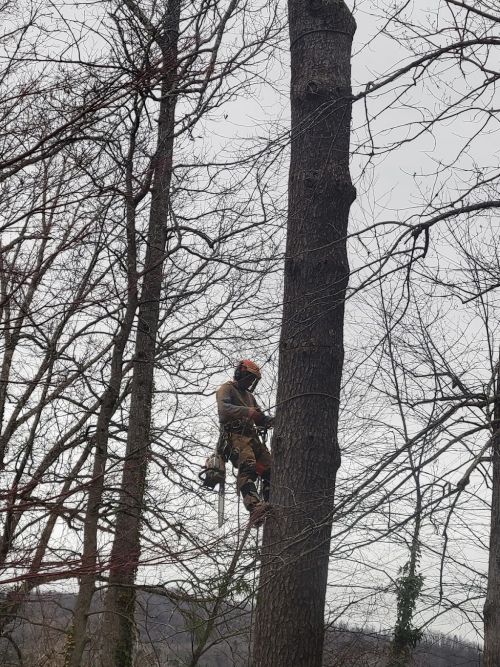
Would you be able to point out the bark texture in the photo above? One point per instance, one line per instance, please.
(118, 627)
(290, 607)
(492, 605)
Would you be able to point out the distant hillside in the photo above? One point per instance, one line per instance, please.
(168, 631)
(355, 648)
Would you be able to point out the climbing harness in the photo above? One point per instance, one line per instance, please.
(213, 473)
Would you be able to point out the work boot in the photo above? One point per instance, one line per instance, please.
(259, 513)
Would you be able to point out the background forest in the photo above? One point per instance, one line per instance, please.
(176, 179)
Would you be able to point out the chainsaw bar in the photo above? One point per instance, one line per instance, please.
(220, 506)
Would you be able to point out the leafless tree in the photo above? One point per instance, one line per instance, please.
(296, 543)
(101, 238)
(98, 187)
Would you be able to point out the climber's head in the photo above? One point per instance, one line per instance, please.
(247, 374)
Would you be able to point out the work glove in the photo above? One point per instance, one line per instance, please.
(257, 416)
(265, 421)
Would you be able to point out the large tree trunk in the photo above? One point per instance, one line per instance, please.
(291, 600)
(118, 626)
(492, 604)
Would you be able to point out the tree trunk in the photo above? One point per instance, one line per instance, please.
(492, 604)
(118, 626)
(77, 635)
(291, 600)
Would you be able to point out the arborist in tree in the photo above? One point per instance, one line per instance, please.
(240, 419)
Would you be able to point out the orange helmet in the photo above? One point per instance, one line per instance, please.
(246, 365)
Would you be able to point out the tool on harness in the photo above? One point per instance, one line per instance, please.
(262, 430)
(214, 473)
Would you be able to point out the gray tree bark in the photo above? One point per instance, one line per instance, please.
(118, 626)
(290, 606)
(492, 603)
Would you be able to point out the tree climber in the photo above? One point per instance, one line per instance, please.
(240, 416)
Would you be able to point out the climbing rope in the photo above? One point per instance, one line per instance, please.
(255, 561)
(252, 606)
(312, 32)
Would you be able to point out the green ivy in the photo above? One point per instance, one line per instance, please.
(406, 635)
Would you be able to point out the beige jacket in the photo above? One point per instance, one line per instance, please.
(234, 403)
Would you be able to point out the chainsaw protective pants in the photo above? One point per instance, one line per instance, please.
(252, 459)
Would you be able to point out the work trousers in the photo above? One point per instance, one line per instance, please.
(253, 459)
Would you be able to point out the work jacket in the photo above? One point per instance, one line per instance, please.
(235, 404)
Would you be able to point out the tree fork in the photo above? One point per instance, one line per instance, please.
(292, 590)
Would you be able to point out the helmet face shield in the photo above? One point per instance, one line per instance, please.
(248, 381)
(247, 374)
(247, 366)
